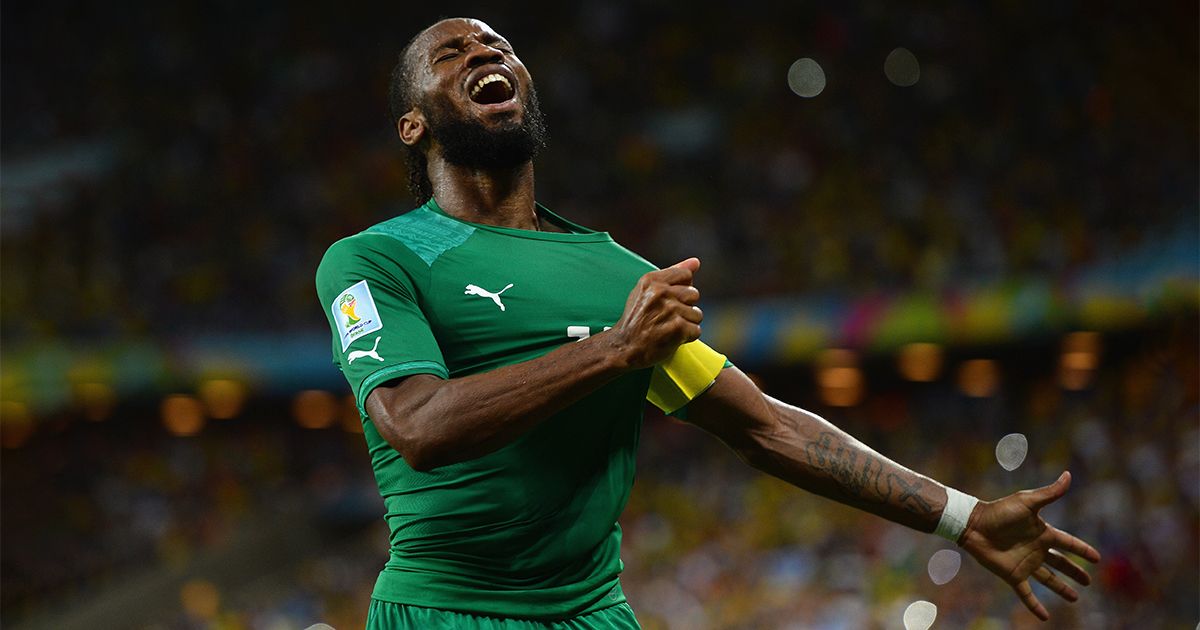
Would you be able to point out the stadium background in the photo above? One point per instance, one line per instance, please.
(1009, 245)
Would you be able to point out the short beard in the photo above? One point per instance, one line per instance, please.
(469, 144)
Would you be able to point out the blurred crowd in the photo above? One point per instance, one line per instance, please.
(89, 504)
(709, 543)
(181, 167)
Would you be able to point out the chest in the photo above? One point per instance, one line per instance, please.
(511, 299)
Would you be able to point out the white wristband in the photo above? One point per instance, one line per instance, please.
(956, 514)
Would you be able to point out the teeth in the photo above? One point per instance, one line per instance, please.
(491, 78)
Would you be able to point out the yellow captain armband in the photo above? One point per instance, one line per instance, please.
(684, 375)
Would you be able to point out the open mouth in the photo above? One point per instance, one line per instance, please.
(491, 89)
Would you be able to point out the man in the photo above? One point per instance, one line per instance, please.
(500, 356)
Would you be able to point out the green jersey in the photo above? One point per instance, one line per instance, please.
(530, 530)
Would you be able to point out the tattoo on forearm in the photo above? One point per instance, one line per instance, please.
(910, 497)
(842, 464)
(863, 479)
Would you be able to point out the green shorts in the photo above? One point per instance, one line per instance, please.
(390, 616)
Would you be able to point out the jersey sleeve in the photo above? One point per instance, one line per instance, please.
(370, 300)
(686, 374)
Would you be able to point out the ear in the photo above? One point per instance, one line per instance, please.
(411, 127)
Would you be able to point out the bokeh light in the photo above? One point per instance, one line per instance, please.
(200, 599)
(920, 362)
(839, 378)
(315, 409)
(901, 68)
(223, 398)
(1011, 451)
(806, 78)
(944, 565)
(1080, 358)
(182, 415)
(919, 615)
(979, 378)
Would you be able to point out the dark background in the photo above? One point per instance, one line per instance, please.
(177, 447)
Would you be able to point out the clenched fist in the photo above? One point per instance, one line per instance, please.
(660, 315)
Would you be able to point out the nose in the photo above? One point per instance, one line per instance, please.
(480, 54)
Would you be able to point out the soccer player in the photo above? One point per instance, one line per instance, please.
(501, 356)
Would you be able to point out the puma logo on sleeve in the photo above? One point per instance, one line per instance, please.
(495, 297)
(358, 354)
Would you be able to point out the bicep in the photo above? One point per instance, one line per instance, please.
(403, 394)
(392, 405)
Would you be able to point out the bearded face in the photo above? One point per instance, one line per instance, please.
(471, 142)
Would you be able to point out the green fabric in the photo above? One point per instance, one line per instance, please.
(390, 616)
(528, 531)
(427, 234)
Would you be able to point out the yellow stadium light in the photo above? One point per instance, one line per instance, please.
(841, 381)
(1080, 358)
(223, 397)
(315, 409)
(920, 362)
(182, 415)
(979, 378)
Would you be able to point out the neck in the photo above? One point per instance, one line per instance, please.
(493, 197)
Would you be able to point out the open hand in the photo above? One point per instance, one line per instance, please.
(1009, 538)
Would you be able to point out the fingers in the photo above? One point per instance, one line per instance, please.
(660, 315)
(692, 314)
(1030, 600)
(692, 264)
(685, 297)
(679, 273)
(1067, 542)
(1068, 567)
(1049, 494)
(1054, 583)
(687, 294)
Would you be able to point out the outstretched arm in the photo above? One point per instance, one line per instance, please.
(1006, 536)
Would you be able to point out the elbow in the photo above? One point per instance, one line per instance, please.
(405, 423)
(761, 445)
(426, 454)
(420, 451)
(418, 460)
(749, 446)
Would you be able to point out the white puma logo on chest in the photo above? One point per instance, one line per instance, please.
(358, 354)
(476, 290)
